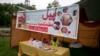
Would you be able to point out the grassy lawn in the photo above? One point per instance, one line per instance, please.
(6, 50)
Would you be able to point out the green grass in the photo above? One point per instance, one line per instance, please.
(6, 50)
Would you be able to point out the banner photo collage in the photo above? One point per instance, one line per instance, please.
(60, 21)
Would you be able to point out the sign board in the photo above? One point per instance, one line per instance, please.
(60, 21)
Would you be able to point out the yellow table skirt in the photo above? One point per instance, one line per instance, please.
(26, 48)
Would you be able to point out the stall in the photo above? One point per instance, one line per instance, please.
(48, 23)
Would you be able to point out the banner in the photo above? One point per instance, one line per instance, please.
(60, 21)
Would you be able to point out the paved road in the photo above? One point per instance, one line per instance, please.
(4, 28)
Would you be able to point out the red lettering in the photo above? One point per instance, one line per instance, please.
(39, 28)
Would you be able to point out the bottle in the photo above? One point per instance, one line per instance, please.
(30, 41)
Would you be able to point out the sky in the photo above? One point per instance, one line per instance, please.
(40, 4)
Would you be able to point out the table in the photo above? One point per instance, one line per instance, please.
(26, 48)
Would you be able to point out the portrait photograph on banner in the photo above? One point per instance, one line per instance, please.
(59, 21)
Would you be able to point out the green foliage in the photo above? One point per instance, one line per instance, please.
(49, 5)
(55, 3)
(5, 20)
(6, 11)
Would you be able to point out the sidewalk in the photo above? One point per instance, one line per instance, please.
(4, 28)
(4, 32)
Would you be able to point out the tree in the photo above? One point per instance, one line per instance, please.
(55, 3)
(49, 5)
(6, 11)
